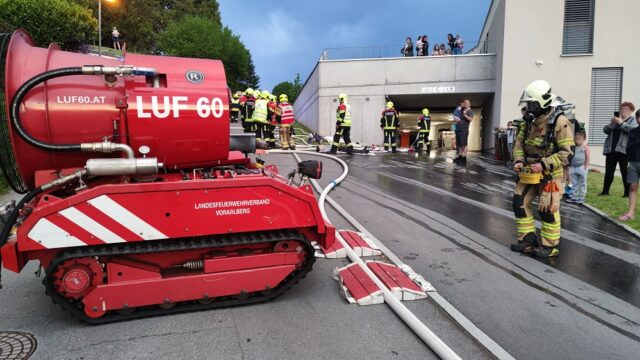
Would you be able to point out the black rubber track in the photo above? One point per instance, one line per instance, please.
(76, 307)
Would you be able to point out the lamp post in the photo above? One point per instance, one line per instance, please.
(100, 26)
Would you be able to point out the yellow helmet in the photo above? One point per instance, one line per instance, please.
(273, 98)
(284, 98)
(538, 91)
(249, 91)
(389, 105)
(343, 97)
(264, 94)
(425, 112)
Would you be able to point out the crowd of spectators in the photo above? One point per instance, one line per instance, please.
(454, 46)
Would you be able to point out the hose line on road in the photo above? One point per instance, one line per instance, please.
(419, 328)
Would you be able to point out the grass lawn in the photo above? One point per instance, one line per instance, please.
(613, 205)
(107, 51)
(4, 187)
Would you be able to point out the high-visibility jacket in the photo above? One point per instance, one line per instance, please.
(261, 112)
(390, 119)
(286, 114)
(424, 123)
(343, 114)
(247, 106)
(235, 105)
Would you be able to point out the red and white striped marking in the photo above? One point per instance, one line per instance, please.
(359, 242)
(362, 245)
(400, 285)
(101, 221)
(357, 287)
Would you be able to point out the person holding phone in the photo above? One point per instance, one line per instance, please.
(615, 146)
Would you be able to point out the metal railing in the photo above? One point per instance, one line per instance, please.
(395, 51)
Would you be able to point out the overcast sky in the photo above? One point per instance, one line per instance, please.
(287, 37)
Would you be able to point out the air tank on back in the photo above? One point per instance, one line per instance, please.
(181, 114)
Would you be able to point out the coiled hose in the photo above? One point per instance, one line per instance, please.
(14, 111)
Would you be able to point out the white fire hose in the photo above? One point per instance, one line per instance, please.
(419, 328)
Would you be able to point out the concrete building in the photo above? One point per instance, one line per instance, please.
(586, 49)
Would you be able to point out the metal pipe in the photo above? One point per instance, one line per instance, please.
(419, 328)
(118, 166)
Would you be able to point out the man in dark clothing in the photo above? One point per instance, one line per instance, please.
(462, 130)
(615, 146)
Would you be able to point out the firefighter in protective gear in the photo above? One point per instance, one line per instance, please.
(343, 125)
(286, 119)
(424, 125)
(247, 106)
(261, 116)
(235, 107)
(389, 123)
(543, 146)
(271, 126)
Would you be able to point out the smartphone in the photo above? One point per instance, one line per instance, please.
(616, 113)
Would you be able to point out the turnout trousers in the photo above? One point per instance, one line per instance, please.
(344, 133)
(286, 140)
(390, 139)
(523, 196)
(423, 140)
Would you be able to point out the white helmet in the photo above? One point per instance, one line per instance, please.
(538, 91)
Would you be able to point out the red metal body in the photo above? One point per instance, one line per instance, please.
(175, 120)
(119, 243)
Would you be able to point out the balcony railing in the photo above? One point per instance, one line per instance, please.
(393, 51)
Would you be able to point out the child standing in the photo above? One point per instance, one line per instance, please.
(579, 167)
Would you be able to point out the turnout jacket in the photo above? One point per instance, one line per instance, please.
(537, 143)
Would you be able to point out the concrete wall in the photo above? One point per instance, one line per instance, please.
(534, 32)
(367, 82)
(307, 107)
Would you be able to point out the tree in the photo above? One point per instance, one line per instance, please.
(60, 21)
(292, 90)
(203, 38)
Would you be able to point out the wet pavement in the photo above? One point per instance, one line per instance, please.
(454, 225)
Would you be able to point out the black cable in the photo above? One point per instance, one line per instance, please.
(17, 100)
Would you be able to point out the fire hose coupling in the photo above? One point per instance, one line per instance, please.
(122, 167)
(107, 147)
(122, 70)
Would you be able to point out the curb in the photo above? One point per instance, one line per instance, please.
(602, 214)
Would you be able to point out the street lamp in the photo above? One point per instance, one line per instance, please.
(100, 25)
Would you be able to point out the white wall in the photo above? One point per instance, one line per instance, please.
(367, 82)
(534, 32)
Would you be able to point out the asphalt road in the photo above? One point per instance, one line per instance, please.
(453, 225)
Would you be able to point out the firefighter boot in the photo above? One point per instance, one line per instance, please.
(545, 251)
(527, 244)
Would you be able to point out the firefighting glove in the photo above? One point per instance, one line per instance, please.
(544, 202)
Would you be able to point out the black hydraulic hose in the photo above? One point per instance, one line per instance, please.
(15, 110)
(7, 226)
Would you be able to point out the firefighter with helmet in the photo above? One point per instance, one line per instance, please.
(261, 115)
(424, 125)
(343, 125)
(543, 146)
(272, 117)
(235, 107)
(389, 123)
(286, 119)
(247, 106)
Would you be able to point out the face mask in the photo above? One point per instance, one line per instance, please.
(534, 109)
